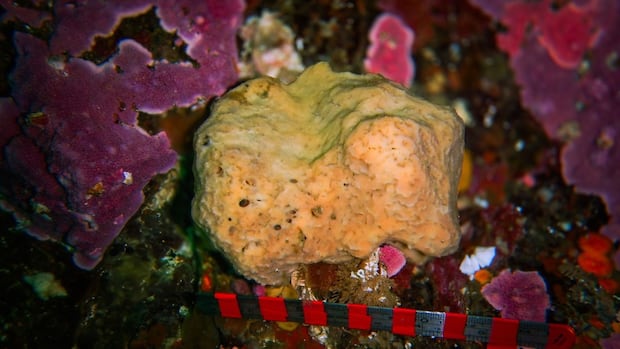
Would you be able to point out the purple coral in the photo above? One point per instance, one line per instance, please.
(578, 98)
(520, 295)
(74, 160)
(610, 342)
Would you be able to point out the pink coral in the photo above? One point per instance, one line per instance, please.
(392, 259)
(389, 53)
(566, 34)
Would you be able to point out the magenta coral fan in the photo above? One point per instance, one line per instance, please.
(74, 159)
(520, 295)
(389, 53)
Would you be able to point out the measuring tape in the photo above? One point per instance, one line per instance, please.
(497, 332)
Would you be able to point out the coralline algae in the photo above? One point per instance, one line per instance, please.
(575, 50)
(74, 159)
(518, 295)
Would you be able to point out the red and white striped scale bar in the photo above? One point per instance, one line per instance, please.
(496, 332)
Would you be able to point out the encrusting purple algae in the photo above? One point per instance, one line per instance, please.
(74, 123)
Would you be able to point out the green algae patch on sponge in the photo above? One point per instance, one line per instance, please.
(326, 168)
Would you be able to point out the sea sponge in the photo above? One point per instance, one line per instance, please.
(327, 168)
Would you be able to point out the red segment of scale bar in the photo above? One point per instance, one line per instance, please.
(273, 308)
(503, 333)
(358, 317)
(403, 321)
(314, 313)
(455, 326)
(229, 306)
